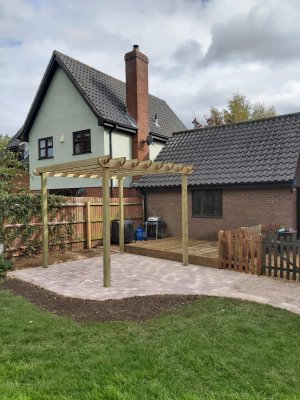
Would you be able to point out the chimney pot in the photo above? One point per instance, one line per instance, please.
(136, 46)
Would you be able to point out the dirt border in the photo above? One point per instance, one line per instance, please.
(136, 309)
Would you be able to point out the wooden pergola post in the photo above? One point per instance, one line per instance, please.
(185, 231)
(121, 213)
(44, 219)
(106, 228)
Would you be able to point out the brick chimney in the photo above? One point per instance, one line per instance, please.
(137, 101)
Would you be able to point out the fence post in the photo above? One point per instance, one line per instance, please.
(287, 254)
(281, 256)
(230, 248)
(294, 257)
(88, 225)
(241, 250)
(260, 257)
(220, 248)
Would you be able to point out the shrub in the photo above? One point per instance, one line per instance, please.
(5, 265)
(22, 209)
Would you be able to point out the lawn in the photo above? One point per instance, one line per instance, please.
(215, 348)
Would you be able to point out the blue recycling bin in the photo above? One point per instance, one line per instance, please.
(139, 233)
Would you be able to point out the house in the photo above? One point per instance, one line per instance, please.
(244, 174)
(80, 112)
(18, 146)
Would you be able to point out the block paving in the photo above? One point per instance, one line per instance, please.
(135, 275)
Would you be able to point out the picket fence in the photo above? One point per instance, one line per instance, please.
(260, 250)
(240, 249)
(280, 257)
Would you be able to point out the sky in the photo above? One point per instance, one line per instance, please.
(200, 51)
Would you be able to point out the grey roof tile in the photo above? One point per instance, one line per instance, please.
(262, 151)
(15, 141)
(107, 95)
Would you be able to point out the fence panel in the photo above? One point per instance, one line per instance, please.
(241, 249)
(85, 215)
(264, 253)
(239, 252)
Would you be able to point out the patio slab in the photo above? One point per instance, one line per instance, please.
(135, 275)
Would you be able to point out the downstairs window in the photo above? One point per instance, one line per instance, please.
(207, 203)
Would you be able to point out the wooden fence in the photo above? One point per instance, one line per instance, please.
(280, 257)
(240, 250)
(259, 250)
(85, 215)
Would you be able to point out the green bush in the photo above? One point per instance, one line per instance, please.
(5, 265)
(22, 209)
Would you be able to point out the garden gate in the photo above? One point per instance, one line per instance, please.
(258, 250)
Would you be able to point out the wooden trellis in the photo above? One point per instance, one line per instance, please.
(107, 168)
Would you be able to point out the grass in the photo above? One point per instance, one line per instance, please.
(213, 349)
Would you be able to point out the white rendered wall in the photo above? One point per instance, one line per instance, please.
(63, 112)
(154, 149)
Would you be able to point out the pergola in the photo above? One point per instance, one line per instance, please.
(107, 168)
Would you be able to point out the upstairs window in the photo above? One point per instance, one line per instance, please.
(46, 148)
(82, 142)
(207, 203)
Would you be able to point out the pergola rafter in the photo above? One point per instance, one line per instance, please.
(106, 168)
(119, 166)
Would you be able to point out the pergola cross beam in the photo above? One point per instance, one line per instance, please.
(106, 168)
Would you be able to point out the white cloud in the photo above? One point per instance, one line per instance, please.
(263, 34)
(200, 51)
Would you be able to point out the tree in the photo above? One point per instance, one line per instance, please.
(216, 117)
(259, 111)
(11, 168)
(239, 109)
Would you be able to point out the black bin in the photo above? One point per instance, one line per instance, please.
(128, 231)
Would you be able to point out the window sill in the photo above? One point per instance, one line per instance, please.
(78, 154)
(45, 158)
(207, 216)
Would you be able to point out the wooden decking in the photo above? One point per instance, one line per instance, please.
(201, 252)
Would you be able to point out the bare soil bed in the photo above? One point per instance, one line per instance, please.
(137, 309)
(60, 257)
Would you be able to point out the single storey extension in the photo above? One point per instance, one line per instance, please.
(244, 174)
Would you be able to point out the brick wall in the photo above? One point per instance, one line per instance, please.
(241, 207)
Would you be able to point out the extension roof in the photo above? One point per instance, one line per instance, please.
(106, 97)
(254, 152)
(15, 141)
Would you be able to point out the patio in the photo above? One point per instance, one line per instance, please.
(134, 275)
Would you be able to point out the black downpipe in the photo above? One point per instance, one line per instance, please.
(110, 155)
(144, 194)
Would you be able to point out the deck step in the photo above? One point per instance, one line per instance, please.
(200, 252)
